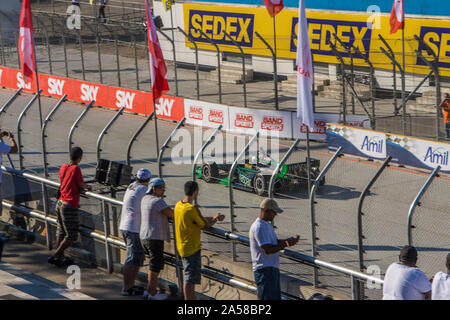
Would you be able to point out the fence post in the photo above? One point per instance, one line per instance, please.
(75, 124)
(196, 60)
(2, 50)
(105, 212)
(312, 203)
(434, 66)
(138, 132)
(45, 204)
(279, 165)
(105, 131)
(230, 189)
(244, 80)
(218, 62)
(416, 202)
(80, 40)
(352, 69)
(172, 41)
(362, 197)
(116, 40)
(43, 136)
(166, 145)
(99, 55)
(133, 38)
(19, 128)
(342, 65)
(275, 73)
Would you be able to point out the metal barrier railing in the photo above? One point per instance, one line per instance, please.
(223, 234)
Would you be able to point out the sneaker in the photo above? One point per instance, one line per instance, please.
(157, 296)
(130, 292)
(54, 261)
(65, 262)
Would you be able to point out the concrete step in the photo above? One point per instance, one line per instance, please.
(228, 78)
(422, 107)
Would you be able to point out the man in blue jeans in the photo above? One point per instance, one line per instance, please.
(264, 248)
(130, 226)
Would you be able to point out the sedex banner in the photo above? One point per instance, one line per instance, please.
(359, 30)
(378, 145)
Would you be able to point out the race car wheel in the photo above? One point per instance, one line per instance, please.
(259, 184)
(209, 172)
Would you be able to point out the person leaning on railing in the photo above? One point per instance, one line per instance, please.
(72, 184)
(441, 283)
(6, 149)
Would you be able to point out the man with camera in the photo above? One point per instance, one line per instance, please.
(5, 149)
(445, 107)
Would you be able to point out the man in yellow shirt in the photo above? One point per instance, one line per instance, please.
(188, 225)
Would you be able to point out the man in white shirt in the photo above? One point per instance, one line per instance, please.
(130, 226)
(264, 248)
(404, 281)
(441, 284)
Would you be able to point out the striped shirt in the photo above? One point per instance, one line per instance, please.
(154, 223)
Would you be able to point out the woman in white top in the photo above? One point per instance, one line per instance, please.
(441, 284)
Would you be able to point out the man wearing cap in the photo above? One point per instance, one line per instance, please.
(154, 231)
(441, 283)
(404, 281)
(264, 248)
(130, 226)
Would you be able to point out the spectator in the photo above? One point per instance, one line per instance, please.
(67, 207)
(445, 107)
(188, 225)
(154, 231)
(101, 10)
(264, 249)
(130, 225)
(6, 149)
(404, 281)
(441, 283)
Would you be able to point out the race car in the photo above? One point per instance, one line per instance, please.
(255, 176)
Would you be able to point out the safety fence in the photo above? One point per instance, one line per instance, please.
(116, 53)
(356, 217)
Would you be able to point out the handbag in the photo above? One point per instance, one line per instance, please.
(58, 193)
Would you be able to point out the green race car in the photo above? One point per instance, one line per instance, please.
(255, 176)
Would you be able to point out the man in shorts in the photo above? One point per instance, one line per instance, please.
(130, 225)
(154, 231)
(188, 225)
(72, 184)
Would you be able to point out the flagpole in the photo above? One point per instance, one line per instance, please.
(37, 82)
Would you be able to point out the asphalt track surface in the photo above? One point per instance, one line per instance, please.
(384, 222)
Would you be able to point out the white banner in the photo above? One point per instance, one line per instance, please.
(266, 122)
(206, 114)
(320, 125)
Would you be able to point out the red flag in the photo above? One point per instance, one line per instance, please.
(26, 52)
(397, 19)
(274, 6)
(158, 68)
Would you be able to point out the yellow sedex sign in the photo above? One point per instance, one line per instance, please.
(360, 30)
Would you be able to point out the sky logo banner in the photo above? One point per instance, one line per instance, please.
(321, 33)
(214, 24)
(439, 41)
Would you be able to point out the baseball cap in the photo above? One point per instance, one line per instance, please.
(155, 183)
(270, 204)
(408, 253)
(143, 174)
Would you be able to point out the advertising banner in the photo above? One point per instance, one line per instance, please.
(359, 30)
(408, 151)
(268, 123)
(319, 132)
(206, 114)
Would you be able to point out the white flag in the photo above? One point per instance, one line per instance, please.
(304, 70)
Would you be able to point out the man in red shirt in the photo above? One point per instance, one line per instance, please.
(67, 207)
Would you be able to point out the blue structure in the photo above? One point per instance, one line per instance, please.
(420, 7)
